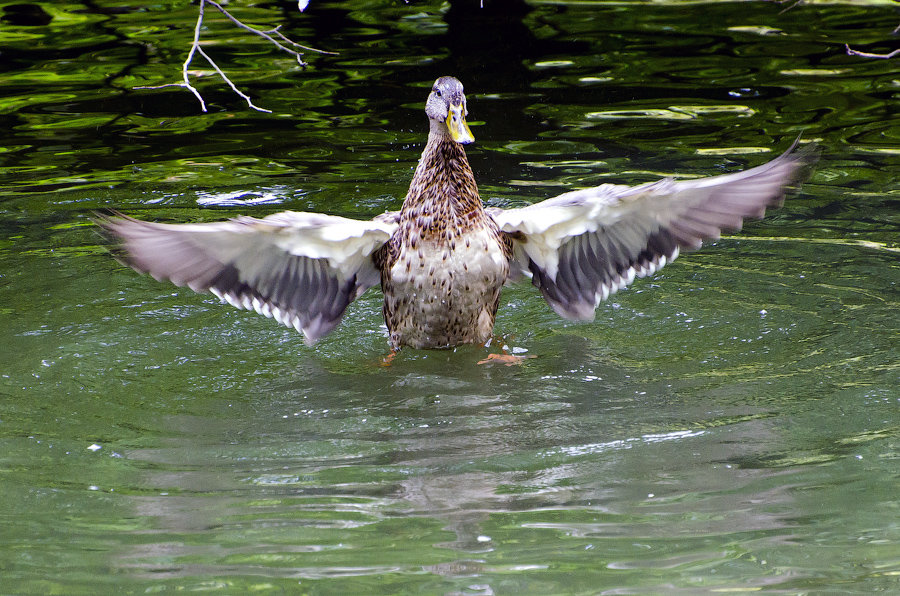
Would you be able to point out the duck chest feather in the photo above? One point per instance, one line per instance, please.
(444, 291)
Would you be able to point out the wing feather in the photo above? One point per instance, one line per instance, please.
(302, 269)
(584, 245)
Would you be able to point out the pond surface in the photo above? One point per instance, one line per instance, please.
(731, 424)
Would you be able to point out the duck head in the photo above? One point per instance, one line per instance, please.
(446, 108)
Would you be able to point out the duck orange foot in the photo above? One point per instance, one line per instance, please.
(389, 359)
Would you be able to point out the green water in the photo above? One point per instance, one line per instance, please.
(731, 424)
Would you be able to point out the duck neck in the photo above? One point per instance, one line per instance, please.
(443, 185)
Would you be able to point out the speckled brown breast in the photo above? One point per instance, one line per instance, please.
(436, 295)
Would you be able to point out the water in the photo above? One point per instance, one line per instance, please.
(730, 424)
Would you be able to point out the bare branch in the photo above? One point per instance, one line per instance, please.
(196, 49)
(277, 31)
(784, 10)
(262, 34)
(230, 84)
(851, 52)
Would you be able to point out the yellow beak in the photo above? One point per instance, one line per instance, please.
(456, 124)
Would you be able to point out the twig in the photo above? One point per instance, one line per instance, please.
(265, 34)
(277, 31)
(196, 49)
(851, 52)
(797, 3)
(230, 84)
(184, 68)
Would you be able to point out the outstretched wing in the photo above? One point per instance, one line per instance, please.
(303, 269)
(582, 246)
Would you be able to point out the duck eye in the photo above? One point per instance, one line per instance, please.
(436, 91)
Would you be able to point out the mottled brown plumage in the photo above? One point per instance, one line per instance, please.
(442, 270)
(443, 259)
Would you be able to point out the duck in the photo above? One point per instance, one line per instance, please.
(443, 259)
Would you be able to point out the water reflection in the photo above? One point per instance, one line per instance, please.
(483, 478)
